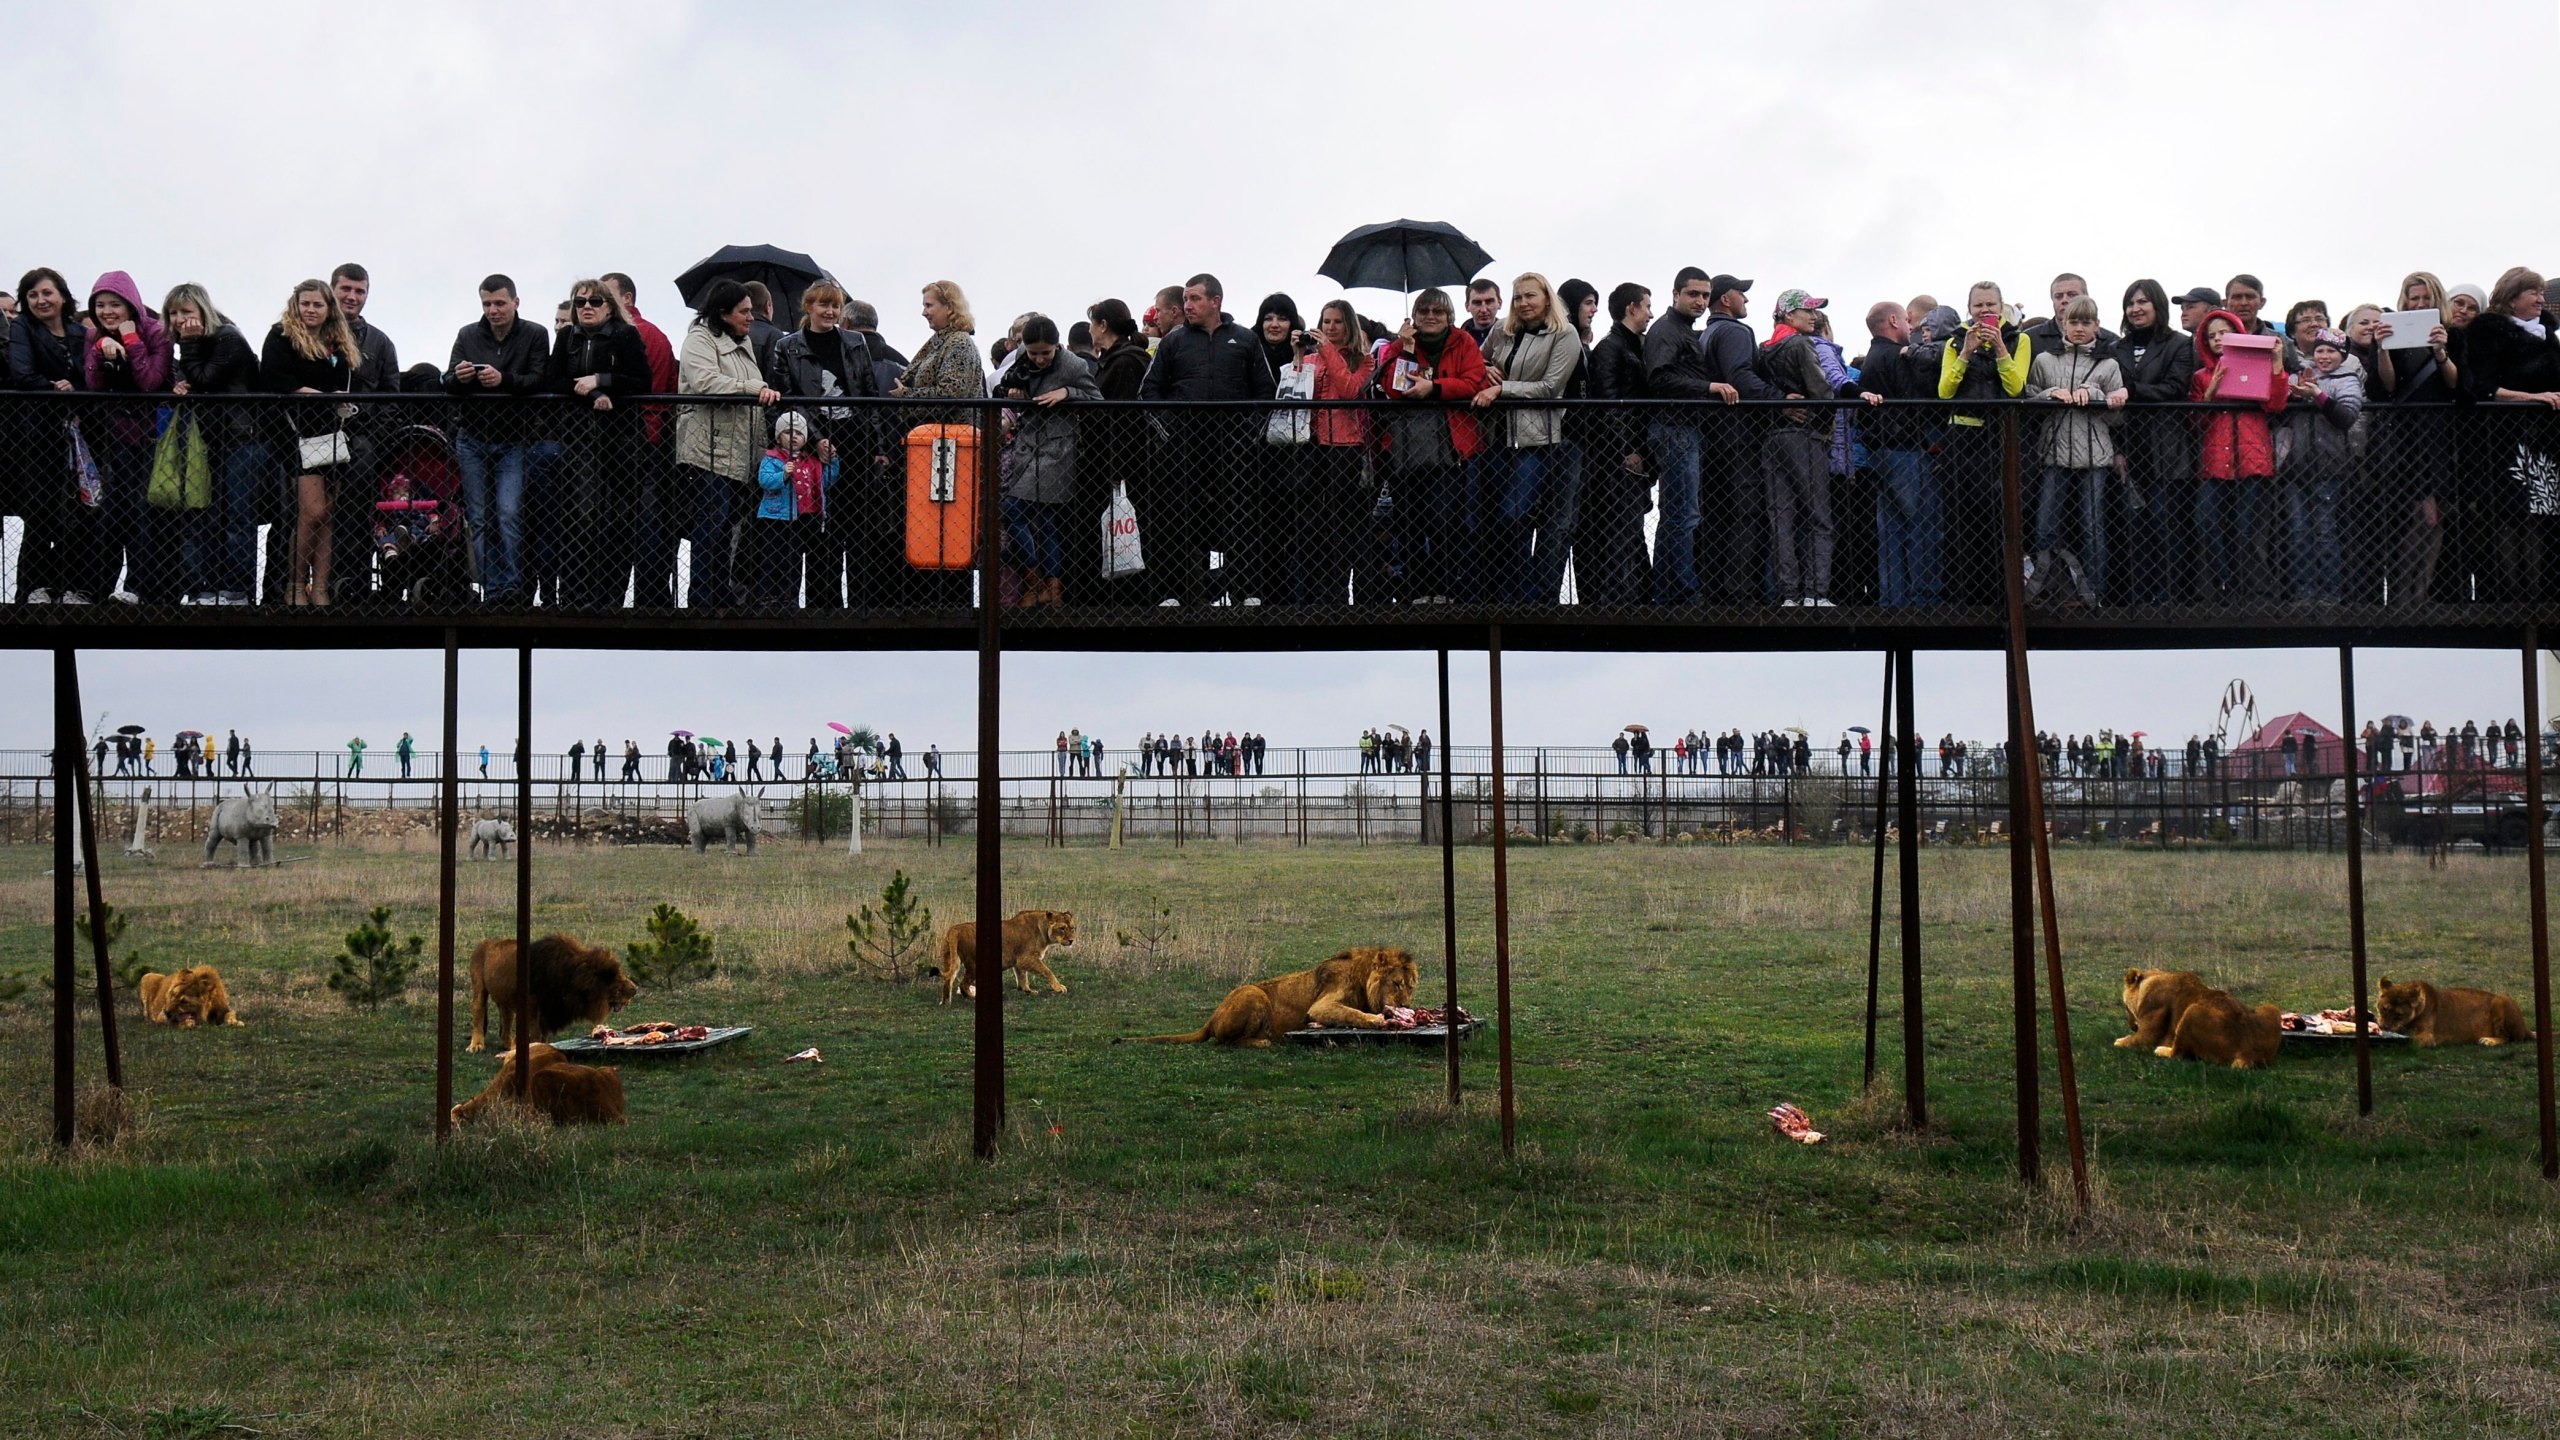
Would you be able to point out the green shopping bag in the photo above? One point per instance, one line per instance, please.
(181, 468)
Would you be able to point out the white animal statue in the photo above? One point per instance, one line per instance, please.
(248, 821)
(492, 839)
(730, 816)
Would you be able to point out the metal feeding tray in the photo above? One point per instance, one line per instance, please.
(1417, 1035)
(586, 1048)
(2316, 1038)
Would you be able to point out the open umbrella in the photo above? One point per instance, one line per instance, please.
(1640, 729)
(784, 272)
(711, 741)
(2399, 722)
(1403, 255)
(1860, 730)
(2139, 734)
(190, 734)
(683, 734)
(839, 727)
(1794, 729)
(128, 729)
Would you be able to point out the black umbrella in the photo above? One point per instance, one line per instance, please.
(129, 730)
(784, 272)
(1403, 255)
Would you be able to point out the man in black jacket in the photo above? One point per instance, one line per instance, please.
(1610, 567)
(497, 361)
(1909, 517)
(2066, 287)
(1199, 507)
(1674, 370)
(1732, 466)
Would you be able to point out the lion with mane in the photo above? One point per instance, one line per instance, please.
(1352, 989)
(571, 981)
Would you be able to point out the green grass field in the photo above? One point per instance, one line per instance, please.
(1190, 1241)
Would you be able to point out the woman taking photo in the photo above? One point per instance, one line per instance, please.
(1531, 355)
(46, 347)
(599, 362)
(1325, 543)
(310, 351)
(128, 354)
(213, 358)
(717, 446)
(2512, 357)
(2411, 438)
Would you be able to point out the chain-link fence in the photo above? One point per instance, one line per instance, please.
(1121, 512)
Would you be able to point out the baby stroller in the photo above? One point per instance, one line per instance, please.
(419, 535)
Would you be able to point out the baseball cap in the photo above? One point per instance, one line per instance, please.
(1800, 300)
(1717, 287)
(2201, 295)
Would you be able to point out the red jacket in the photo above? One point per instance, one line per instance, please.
(662, 375)
(1459, 376)
(2238, 444)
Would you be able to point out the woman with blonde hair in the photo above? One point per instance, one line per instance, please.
(946, 365)
(1531, 355)
(2410, 508)
(212, 357)
(310, 351)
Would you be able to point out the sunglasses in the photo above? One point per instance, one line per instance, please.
(584, 301)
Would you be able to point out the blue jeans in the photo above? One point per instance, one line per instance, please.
(1033, 529)
(1676, 453)
(2057, 491)
(1911, 520)
(248, 474)
(2311, 516)
(707, 576)
(2226, 514)
(542, 467)
(1519, 481)
(493, 501)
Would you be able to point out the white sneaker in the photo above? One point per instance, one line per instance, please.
(231, 597)
(40, 596)
(1787, 604)
(1168, 603)
(1253, 599)
(74, 597)
(124, 597)
(1819, 602)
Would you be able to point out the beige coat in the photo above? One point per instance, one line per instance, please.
(1535, 366)
(726, 440)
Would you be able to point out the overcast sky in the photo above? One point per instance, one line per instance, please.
(1046, 156)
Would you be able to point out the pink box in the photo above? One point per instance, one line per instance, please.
(2251, 368)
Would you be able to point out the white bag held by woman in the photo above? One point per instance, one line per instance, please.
(1121, 554)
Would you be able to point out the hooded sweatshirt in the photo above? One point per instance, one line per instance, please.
(2236, 444)
(2320, 437)
(143, 367)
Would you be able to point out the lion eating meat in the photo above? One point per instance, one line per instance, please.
(571, 981)
(1353, 989)
(1028, 937)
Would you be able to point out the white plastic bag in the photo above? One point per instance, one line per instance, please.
(1121, 554)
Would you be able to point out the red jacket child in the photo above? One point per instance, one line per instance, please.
(2238, 444)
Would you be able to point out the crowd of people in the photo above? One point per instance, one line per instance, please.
(2347, 454)
(1394, 750)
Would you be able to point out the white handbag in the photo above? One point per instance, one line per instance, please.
(319, 452)
(1121, 554)
(1292, 427)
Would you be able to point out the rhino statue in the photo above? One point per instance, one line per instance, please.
(492, 839)
(730, 816)
(248, 821)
